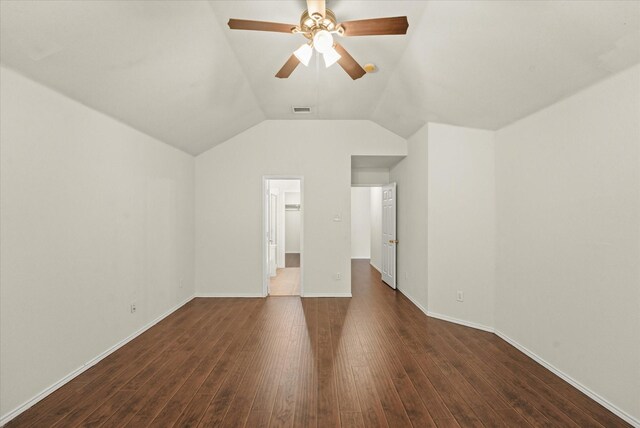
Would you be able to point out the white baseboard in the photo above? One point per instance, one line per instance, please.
(253, 295)
(27, 404)
(376, 268)
(610, 406)
(413, 300)
(446, 317)
(461, 322)
(327, 295)
(223, 295)
(594, 396)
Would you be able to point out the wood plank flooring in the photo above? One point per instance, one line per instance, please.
(292, 260)
(373, 360)
(285, 283)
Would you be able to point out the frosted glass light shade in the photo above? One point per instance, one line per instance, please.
(303, 53)
(323, 41)
(330, 57)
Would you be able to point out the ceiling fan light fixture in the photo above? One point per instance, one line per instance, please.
(304, 53)
(330, 57)
(318, 25)
(323, 41)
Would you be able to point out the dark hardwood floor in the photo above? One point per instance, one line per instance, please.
(292, 260)
(373, 360)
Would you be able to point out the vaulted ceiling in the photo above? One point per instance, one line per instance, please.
(174, 70)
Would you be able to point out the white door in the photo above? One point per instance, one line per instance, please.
(389, 241)
(273, 231)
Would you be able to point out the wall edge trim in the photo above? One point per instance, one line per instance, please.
(326, 295)
(461, 322)
(412, 300)
(228, 295)
(4, 419)
(591, 394)
(580, 387)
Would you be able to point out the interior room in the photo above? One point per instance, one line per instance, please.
(319, 213)
(284, 241)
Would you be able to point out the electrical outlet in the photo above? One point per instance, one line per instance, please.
(406, 275)
(460, 296)
(133, 308)
(337, 276)
(180, 283)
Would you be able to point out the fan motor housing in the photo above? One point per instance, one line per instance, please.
(309, 25)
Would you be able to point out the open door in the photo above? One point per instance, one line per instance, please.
(273, 232)
(389, 241)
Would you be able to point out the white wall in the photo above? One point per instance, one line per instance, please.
(292, 223)
(568, 216)
(94, 215)
(461, 222)
(376, 226)
(369, 176)
(233, 171)
(411, 176)
(360, 223)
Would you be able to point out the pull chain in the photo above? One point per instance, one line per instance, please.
(317, 83)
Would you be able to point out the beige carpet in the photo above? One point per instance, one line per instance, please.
(285, 283)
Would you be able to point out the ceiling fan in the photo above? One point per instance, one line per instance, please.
(318, 24)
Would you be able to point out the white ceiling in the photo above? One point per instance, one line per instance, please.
(486, 64)
(175, 71)
(330, 91)
(163, 67)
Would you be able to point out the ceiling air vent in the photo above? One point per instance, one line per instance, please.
(300, 110)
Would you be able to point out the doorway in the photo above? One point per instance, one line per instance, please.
(283, 208)
(373, 228)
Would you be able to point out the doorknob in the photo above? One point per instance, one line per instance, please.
(393, 241)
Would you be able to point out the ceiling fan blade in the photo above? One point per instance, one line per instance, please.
(246, 24)
(316, 7)
(376, 26)
(288, 67)
(349, 64)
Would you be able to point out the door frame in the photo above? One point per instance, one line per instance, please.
(265, 230)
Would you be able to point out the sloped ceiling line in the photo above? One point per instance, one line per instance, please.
(173, 69)
(237, 61)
